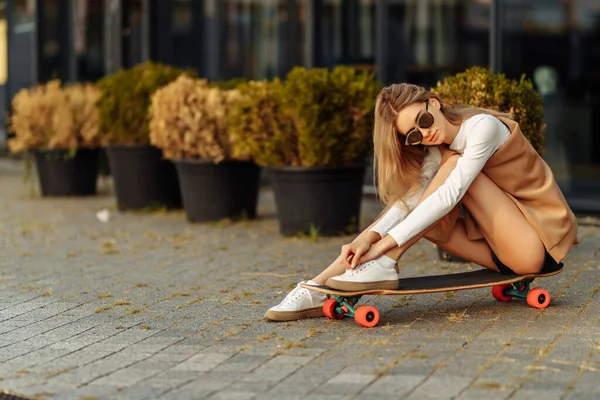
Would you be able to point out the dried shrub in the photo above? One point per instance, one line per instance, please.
(481, 87)
(188, 119)
(49, 116)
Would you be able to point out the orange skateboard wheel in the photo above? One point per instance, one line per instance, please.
(367, 316)
(498, 292)
(329, 309)
(538, 298)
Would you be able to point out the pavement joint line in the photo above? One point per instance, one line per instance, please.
(82, 348)
(580, 372)
(50, 330)
(192, 379)
(439, 365)
(521, 332)
(78, 305)
(170, 257)
(543, 354)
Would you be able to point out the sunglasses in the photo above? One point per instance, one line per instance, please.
(424, 120)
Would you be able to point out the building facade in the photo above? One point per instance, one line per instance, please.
(556, 43)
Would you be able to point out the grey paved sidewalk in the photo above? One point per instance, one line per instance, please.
(149, 306)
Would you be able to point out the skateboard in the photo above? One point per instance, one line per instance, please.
(504, 288)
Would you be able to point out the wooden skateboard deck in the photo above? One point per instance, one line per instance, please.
(504, 288)
(437, 283)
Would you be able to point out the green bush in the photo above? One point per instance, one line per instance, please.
(313, 118)
(125, 99)
(229, 84)
(481, 87)
(260, 126)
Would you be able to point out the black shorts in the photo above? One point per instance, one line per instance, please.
(549, 265)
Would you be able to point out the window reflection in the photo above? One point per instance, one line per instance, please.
(262, 39)
(23, 13)
(88, 39)
(52, 41)
(3, 44)
(429, 40)
(131, 33)
(555, 43)
(348, 33)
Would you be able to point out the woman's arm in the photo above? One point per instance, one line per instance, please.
(394, 214)
(400, 210)
(483, 139)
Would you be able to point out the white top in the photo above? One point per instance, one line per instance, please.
(477, 140)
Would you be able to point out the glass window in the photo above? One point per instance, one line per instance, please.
(348, 33)
(555, 43)
(3, 44)
(132, 33)
(88, 37)
(428, 40)
(261, 39)
(52, 41)
(23, 14)
(184, 42)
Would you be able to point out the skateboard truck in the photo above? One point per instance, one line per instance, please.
(537, 298)
(339, 307)
(504, 287)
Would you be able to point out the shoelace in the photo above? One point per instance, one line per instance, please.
(294, 295)
(360, 268)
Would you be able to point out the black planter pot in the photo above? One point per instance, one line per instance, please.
(327, 198)
(212, 192)
(61, 174)
(142, 178)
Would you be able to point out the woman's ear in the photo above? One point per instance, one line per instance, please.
(434, 102)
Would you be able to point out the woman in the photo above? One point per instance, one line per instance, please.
(431, 159)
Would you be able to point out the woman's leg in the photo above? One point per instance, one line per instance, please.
(505, 228)
(507, 233)
(336, 268)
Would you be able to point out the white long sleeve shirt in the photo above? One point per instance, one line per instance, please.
(478, 138)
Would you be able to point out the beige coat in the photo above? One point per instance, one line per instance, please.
(518, 170)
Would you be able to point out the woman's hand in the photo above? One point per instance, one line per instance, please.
(359, 246)
(377, 250)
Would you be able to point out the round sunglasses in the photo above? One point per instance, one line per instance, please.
(424, 121)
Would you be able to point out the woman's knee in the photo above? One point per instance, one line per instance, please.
(527, 262)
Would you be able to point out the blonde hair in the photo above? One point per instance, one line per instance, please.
(397, 166)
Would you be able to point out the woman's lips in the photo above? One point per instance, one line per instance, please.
(434, 137)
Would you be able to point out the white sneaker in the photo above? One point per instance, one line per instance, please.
(299, 303)
(367, 276)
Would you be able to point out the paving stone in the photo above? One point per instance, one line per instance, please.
(150, 306)
(394, 385)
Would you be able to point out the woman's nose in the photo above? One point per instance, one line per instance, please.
(425, 131)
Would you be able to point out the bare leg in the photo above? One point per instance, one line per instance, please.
(504, 227)
(336, 268)
(459, 244)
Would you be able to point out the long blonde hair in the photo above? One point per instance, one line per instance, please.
(397, 167)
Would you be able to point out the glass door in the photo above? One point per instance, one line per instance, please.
(427, 40)
(555, 43)
(88, 39)
(261, 39)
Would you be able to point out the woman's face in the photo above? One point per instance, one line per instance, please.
(407, 121)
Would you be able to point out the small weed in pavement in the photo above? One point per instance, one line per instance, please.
(313, 331)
